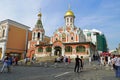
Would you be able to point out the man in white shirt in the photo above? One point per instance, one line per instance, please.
(116, 61)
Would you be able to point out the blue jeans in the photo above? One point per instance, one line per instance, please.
(118, 71)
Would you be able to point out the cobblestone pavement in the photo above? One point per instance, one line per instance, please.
(60, 71)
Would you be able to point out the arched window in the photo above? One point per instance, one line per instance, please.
(67, 19)
(68, 49)
(70, 19)
(3, 33)
(38, 35)
(42, 36)
(48, 49)
(56, 39)
(33, 35)
(71, 38)
(80, 49)
(40, 49)
(63, 37)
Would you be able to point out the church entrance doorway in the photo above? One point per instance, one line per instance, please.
(58, 51)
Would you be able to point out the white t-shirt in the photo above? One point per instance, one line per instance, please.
(117, 61)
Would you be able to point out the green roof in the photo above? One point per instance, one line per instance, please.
(39, 24)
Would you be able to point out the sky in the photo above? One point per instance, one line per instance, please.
(103, 15)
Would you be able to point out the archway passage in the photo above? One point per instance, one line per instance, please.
(58, 51)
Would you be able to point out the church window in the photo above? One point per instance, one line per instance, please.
(40, 49)
(71, 38)
(56, 39)
(67, 19)
(3, 33)
(63, 37)
(42, 36)
(70, 19)
(38, 35)
(80, 49)
(48, 49)
(68, 49)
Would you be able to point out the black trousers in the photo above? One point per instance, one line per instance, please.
(77, 66)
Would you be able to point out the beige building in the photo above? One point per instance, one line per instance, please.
(13, 38)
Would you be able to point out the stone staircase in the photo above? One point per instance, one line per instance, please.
(46, 59)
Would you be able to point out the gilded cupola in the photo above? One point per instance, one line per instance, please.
(69, 13)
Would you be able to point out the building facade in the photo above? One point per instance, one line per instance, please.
(13, 38)
(67, 40)
(97, 38)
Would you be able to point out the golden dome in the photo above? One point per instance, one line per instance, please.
(39, 14)
(69, 13)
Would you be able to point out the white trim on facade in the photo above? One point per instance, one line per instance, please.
(11, 22)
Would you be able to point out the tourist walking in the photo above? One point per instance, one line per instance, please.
(82, 63)
(6, 64)
(117, 66)
(9, 63)
(113, 60)
(77, 64)
(16, 60)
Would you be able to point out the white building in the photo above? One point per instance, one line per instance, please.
(91, 36)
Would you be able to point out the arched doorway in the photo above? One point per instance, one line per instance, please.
(58, 51)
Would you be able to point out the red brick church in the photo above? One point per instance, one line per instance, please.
(67, 40)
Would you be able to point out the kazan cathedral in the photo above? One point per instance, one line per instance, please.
(67, 40)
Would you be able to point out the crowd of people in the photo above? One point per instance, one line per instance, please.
(67, 60)
(113, 61)
(64, 59)
(8, 61)
(115, 64)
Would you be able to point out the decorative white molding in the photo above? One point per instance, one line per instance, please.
(11, 22)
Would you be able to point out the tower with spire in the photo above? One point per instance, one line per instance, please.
(38, 38)
(38, 32)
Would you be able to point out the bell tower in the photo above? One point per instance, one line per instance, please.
(38, 32)
(69, 18)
